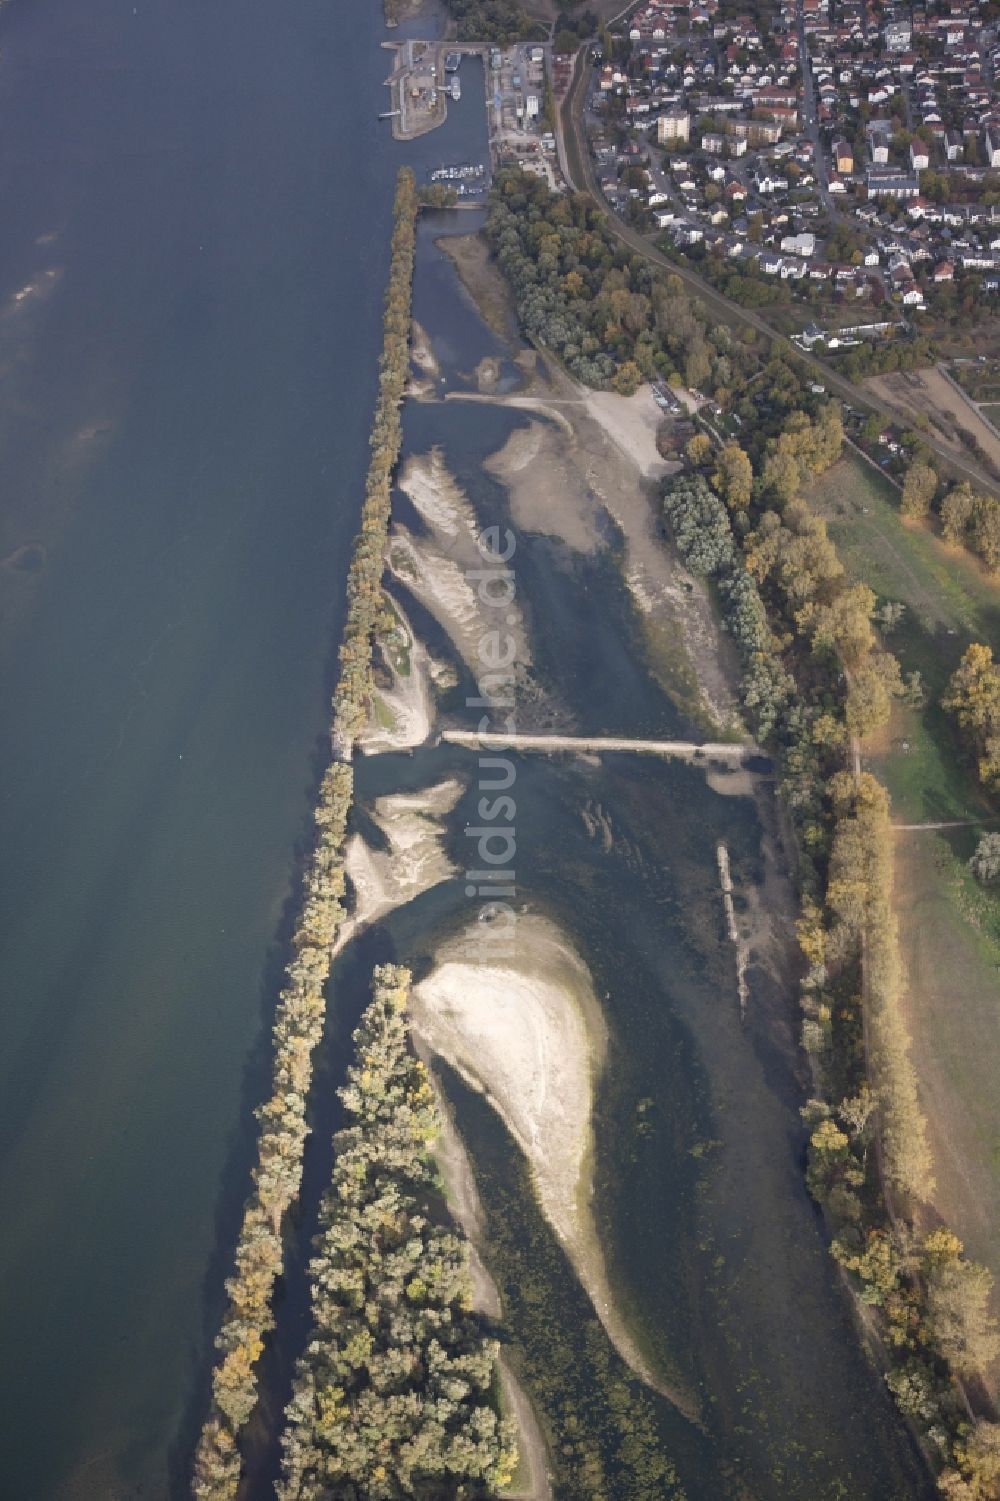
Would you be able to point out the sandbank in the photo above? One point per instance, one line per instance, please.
(520, 1022)
(415, 861)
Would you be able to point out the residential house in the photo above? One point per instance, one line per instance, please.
(886, 182)
(843, 156)
(800, 244)
(878, 145)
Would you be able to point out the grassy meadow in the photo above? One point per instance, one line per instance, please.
(949, 925)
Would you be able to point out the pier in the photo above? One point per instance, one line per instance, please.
(733, 752)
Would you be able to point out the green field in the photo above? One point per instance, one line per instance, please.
(949, 926)
(949, 602)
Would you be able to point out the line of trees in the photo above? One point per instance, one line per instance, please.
(858, 895)
(392, 1397)
(300, 1014)
(815, 680)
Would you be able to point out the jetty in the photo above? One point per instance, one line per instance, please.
(734, 753)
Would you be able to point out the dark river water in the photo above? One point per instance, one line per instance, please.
(196, 210)
(196, 207)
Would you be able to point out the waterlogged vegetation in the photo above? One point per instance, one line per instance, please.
(299, 1019)
(392, 1397)
(604, 1426)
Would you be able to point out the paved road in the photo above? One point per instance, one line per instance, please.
(810, 117)
(582, 179)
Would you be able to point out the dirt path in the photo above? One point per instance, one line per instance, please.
(533, 1450)
(951, 823)
(545, 406)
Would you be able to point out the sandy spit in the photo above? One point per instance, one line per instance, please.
(524, 1027)
(415, 861)
(408, 701)
(442, 569)
(422, 351)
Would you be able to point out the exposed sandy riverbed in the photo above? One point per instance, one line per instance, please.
(415, 861)
(521, 1023)
(439, 568)
(403, 710)
(592, 456)
(481, 280)
(422, 351)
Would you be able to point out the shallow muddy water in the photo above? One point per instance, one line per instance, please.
(716, 1256)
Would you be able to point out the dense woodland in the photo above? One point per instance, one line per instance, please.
(595, 303)
(392, 1396)
(495, 21)
(615, 322)
(259, 1257)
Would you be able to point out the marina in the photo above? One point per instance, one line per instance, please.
(451, 174)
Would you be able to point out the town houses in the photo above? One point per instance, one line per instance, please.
(842, 147)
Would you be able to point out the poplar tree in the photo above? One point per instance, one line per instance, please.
(392, 1395)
